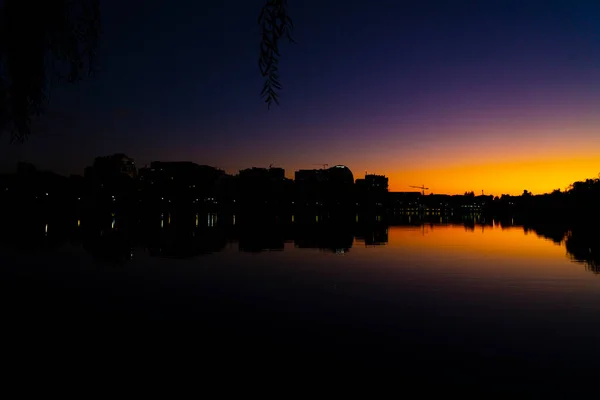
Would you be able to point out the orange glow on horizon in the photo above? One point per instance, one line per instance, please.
(538, 154)
(538, 177)
(469, 154)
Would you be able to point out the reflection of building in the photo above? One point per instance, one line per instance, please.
(253, 240)
(337, 239)
(373, 235)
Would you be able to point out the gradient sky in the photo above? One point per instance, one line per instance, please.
(498, 96)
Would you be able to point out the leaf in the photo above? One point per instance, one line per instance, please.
(276, 50)
(289, 21)
(266, 88)
(291, 39)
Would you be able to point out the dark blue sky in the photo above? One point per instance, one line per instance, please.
(376, 85)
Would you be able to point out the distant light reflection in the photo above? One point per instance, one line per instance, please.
(212, 220)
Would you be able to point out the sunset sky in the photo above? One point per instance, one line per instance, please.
(498, 96)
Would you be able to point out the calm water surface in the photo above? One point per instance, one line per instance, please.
(437, 301)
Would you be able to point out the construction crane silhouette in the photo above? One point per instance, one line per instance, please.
(324, 165)
(422, 187)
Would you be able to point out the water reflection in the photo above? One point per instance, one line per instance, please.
(581, 242)
(267, 239)
(583, 246)
(336, 239)
(212, 219)
(113, 237)
(372, 237)
(106, 240)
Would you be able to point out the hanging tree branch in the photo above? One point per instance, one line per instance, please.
(275, 25)
(42, 42)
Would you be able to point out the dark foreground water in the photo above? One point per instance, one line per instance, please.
(432, 307)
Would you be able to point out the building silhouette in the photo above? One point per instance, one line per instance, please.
(264, 187)
(111, 180)
(181, 183)
(404, 201)
(372, 192)
(108, 166)
(324, 187)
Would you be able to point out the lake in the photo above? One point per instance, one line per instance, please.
(506, 305)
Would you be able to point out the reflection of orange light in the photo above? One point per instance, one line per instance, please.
(452, 260)
(492, 251)
(491, 240)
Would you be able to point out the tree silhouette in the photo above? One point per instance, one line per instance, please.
(42, 42)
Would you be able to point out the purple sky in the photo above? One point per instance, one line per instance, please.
(385, 86)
